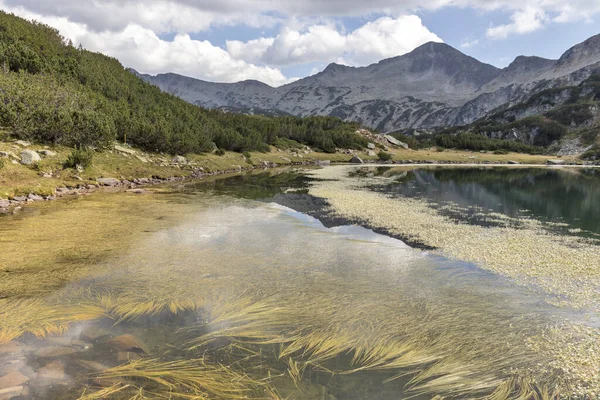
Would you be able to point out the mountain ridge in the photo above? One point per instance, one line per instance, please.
(434, 85)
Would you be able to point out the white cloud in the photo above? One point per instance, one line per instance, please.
(469, 43)
(383, 38)
(140, 48)
(523, 21)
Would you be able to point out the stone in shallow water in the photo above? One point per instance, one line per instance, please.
(54, 351)
(11, 379)
(127, 342)
(92, 333)
(52, 371)
(11, 348)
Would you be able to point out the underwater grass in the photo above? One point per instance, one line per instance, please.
(187, 379)
(320, 303)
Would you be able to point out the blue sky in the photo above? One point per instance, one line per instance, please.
(276, 41)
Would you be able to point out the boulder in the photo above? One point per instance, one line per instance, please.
(47, 153)
(53, 371)
(54, 351)
(23, 143)
(92, 333)
(179, 160)
(34, 197)
(371, 146)
(371, 153)
(127, 342)
(555, 162)
(13, 378)
(141, 159)
(108, 181)
(11, 392)
(8, 154)
(324, 162)
(356, 160)
(513, 162)
(124, 150)
(29, 157)
(395, 141)
(4, 203)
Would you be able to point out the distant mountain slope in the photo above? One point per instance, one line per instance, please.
(434, 85)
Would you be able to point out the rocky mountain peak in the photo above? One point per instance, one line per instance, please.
(583, 54)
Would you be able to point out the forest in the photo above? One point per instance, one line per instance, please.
(52, 92)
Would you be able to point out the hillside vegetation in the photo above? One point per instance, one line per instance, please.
(52, 92)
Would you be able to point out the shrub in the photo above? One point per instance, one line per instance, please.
(2, 163)
(592, 154)
(220, 152)
(247, 154)
(383, 156)
(79, 158)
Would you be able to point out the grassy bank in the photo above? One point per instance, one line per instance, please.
(45, 176)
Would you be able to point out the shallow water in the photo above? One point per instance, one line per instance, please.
(236, 281)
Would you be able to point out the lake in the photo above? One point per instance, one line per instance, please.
(346, 282)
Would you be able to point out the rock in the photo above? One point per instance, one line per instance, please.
(23, 143)
(34, 197)
(324, 162)
(137, 191)
(356, 160)
(92, 365)
(20, 199)
(124, 150)
(8, 154)
(127, 356)
(4, 204)
(127, 342)
(53, 351)
(371, 153)
(14, 378)
(142, 159)
(29, 157)
(53, 371)
(108, 181)
(555, 162)
(513, 162)
(47, 153)
(93, 333)
(179, 160)
(11, 392)
(395, 141)
(371, 146)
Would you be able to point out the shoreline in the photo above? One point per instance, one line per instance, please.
(138, 185)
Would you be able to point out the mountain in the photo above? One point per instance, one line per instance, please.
(435, 85)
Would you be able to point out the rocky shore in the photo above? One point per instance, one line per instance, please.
(16, 203)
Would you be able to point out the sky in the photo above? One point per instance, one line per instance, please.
(279, 41)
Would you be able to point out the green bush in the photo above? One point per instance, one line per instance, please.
(2, 163)
(220, 152)
(247, 154)
(383, 156)
(79, 158)
(592, 154)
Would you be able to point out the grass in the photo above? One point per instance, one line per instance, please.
(17, 180)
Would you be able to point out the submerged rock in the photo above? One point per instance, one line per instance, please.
(29, 157)
(92, 333)
(54, 351)
(11, 379)
(127, 342)
(52, 371)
